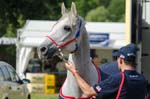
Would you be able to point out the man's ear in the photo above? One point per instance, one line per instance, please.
(119, 60)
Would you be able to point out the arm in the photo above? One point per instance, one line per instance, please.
(85, 87)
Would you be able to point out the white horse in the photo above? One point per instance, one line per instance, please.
(70, 36)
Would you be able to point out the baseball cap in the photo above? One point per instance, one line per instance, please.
(127, 52)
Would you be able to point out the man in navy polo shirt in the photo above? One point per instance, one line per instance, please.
(128, 84)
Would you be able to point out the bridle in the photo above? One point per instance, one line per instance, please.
(75, 38)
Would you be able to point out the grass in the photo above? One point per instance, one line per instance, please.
(44, 96)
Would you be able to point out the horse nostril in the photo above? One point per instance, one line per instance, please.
(43, 49)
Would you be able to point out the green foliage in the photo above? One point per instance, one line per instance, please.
(20, 20)
(84, 6)
(105, 3)
(15, 12)
(116, 10)
(112, 11)
(122, 19)
(10, 31)
(98, 14)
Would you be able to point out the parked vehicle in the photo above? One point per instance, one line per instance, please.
(11, 86)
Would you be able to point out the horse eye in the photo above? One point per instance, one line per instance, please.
(67, 28)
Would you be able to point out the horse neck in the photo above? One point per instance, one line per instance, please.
(81, 60)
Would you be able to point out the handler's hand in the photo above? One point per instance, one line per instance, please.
(69, 66)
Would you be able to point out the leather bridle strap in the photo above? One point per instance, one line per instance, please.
(63, 45)
(53, 41)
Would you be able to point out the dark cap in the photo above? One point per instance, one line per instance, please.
(127, 52)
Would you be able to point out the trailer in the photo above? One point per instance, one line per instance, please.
(144, 8)
(138, 20)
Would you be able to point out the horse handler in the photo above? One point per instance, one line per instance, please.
(128, 84)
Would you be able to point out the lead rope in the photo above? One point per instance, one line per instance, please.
(61, 56)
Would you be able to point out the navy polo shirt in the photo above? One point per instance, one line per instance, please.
(133, 87)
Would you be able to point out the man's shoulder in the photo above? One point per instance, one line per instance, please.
(134, 75)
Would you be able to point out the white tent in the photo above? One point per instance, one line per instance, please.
(33, 32)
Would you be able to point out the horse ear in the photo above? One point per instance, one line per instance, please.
(73, 9)
(63, 9)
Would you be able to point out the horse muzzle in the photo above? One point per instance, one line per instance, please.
(47, 52)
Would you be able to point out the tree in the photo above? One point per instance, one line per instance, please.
(114, 13)
(116, 10)
(13, 10)
(105, 3)
(84, 6)
(10, 31)
(98, 14)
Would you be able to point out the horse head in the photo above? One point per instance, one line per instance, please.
(64, 36)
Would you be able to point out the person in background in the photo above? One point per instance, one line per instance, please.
(128, 84)
(96, 60)
(106, 68)
(109, 68)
